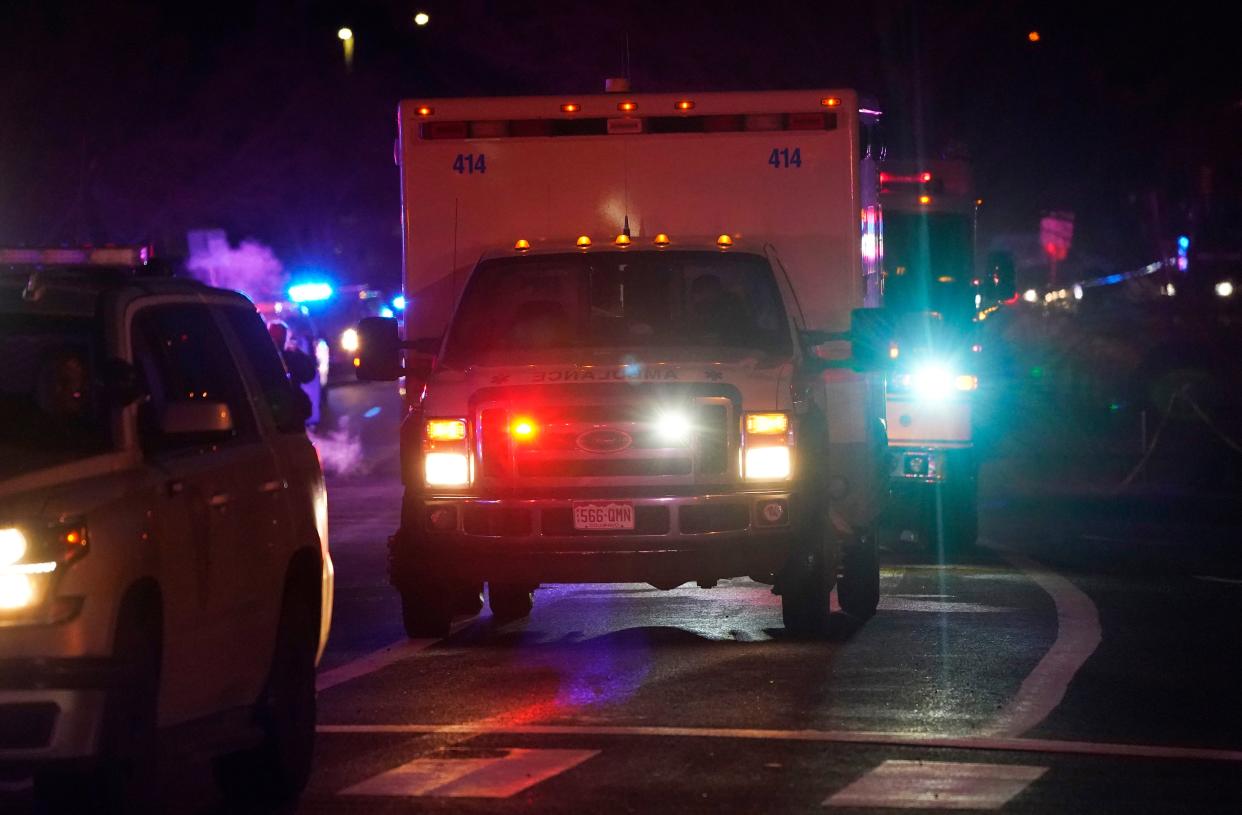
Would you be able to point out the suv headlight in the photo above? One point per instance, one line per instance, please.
(30, 559)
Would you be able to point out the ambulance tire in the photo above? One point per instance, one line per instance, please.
(806, 584)
(426, 612)
(510, 601)
(468, 598)
(858, 587)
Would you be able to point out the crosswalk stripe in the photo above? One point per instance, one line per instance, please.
(461, 773)
(937, 784)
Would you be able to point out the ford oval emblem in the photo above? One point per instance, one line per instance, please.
(604, 441)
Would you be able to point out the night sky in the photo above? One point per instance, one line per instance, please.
(137, 121)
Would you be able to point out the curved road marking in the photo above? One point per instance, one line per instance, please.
(1078, 635)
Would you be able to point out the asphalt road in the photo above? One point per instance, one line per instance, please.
(1054, 673)
(1066, 669)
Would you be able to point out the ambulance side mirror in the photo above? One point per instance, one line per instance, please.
(863, 348)
(871, 333)
(378, 358)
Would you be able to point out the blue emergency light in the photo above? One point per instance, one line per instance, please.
(398, 302)
(310, 292)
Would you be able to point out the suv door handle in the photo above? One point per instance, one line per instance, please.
(273, 486)
(220, 499)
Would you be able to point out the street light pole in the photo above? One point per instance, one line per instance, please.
(346, 36)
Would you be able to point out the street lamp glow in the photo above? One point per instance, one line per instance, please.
(345, 34)
(422, 18)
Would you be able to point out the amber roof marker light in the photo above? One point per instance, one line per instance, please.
(522, 245)
(623, 241)
(627, 106)
(583, 242)
(724, 241)
(570, 107)
(424, 110)
(684, 104)
(662, 240)
(831, 102)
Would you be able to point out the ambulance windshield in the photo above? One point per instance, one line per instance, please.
(623, 300)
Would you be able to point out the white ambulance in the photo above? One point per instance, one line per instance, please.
(625, 345)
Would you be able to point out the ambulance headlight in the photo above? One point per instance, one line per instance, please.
(934, 383)
(447, 469)
(767, 463)
(674, 427)
(349, 340)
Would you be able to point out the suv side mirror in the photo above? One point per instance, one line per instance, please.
(196, 419)
(378, 358)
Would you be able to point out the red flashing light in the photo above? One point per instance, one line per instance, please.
(523, 428)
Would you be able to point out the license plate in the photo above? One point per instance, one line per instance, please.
(603, 516)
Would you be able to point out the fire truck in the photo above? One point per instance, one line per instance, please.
(932, 295)
(637, 349)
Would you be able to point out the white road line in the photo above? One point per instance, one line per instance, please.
(447, 775)
(1078, 635)
(372, 662)
(1017, 745)
(938, 606)
(1213, 579)
(937, 785)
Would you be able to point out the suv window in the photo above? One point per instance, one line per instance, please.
(285, 400)
(182, 356)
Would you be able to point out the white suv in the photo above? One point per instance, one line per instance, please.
(163, 534)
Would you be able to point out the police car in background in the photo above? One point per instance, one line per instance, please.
(163, 534)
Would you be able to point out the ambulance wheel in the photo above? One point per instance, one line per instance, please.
(858, 587)
(806, 584)
(468, 598)
(426, 612)
(510, 601)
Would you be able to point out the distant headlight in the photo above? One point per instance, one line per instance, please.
(1224, 289)
(349, 340)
